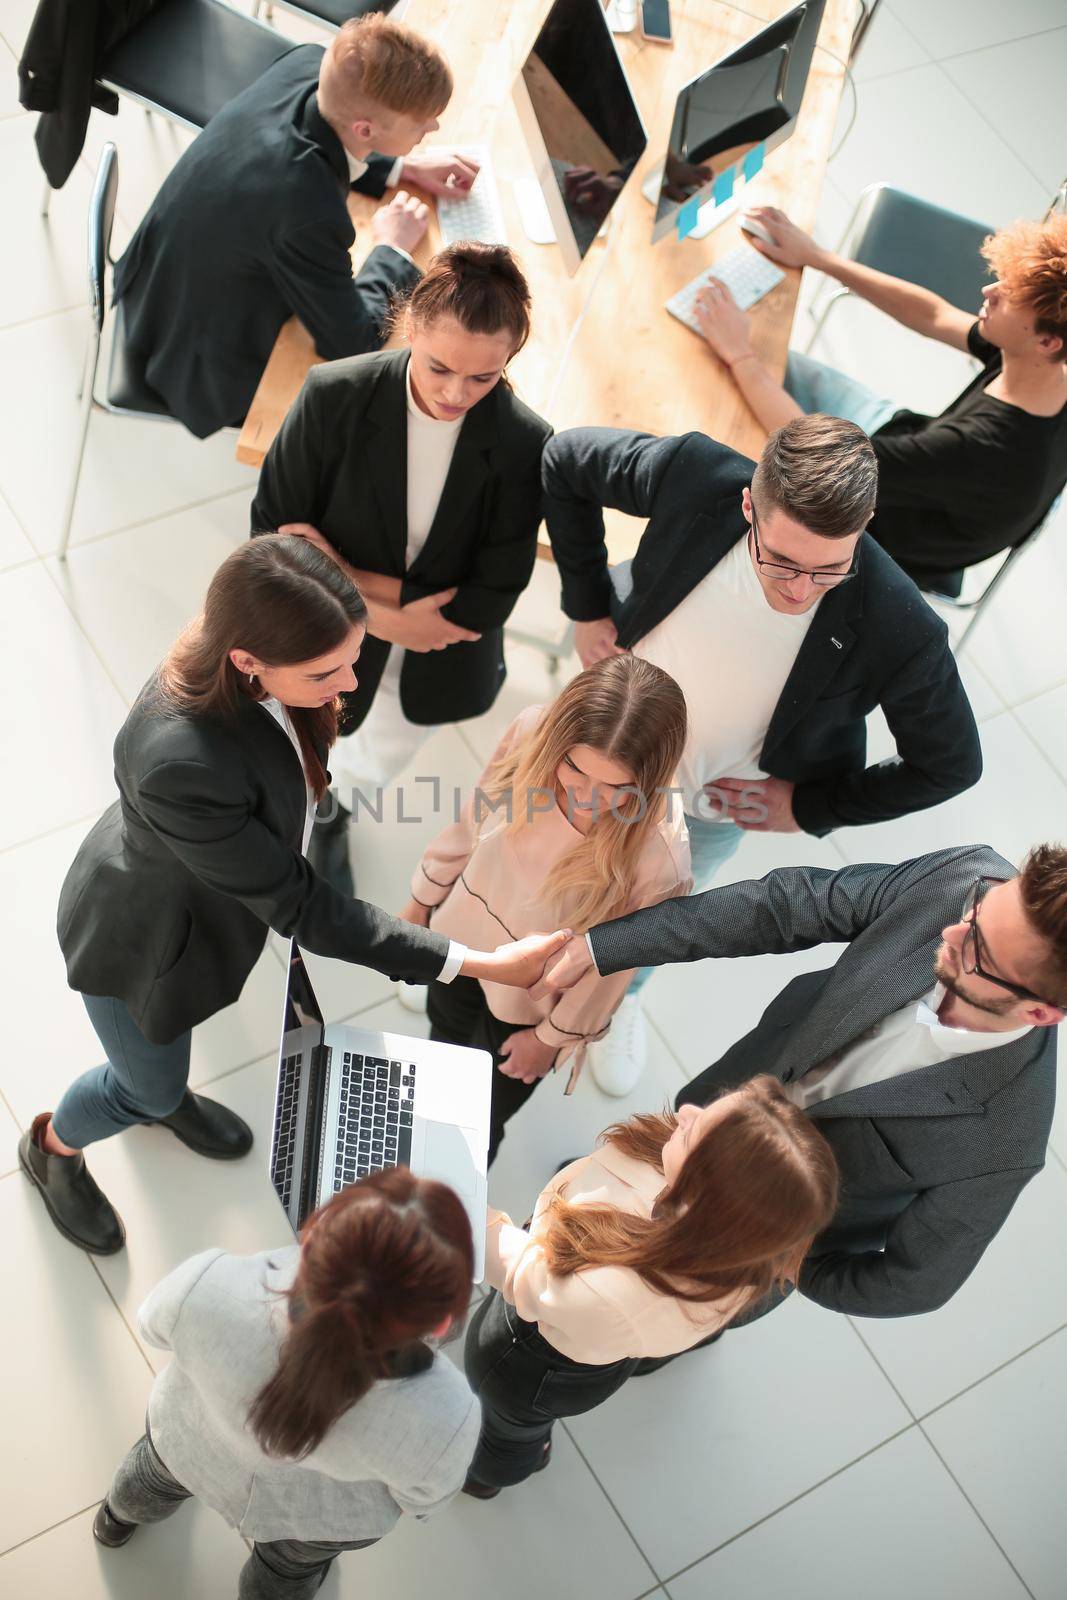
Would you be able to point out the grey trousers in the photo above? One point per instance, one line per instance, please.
(280, 1569)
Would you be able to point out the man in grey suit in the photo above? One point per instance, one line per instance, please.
(926, 1053)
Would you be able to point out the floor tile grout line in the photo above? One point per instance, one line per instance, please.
(785, 1505)
(909, 1409)
(977, 1513)
(122, 1315)
(1023, 162)
(981, 49)
(54, 580)
(142, 522)
(1053, 769)
(1028, 699)
(35, 838)
(50, 1529)
(629, 1531)
(43, 316)
(992, 1373)
(11, 1111)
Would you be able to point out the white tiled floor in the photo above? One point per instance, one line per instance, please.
(780, 1460)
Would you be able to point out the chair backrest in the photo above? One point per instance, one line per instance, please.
(909, 238)
(101, 222)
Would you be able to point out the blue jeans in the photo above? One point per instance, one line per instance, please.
(816, 387)
(139, 1082)
(710, 844)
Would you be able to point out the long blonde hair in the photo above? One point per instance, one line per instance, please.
(631, 712)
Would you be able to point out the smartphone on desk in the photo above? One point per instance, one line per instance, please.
(656, 21)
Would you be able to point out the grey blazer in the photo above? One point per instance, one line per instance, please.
(405, 1447)
(931, 1161)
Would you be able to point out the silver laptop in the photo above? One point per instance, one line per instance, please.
(351, 1101)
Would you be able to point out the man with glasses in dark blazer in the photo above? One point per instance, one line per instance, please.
(926, 1053)
(757, 589)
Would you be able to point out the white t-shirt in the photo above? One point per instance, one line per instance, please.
(281, 716)
(731, 654)
(386, 741)
(905, 1041)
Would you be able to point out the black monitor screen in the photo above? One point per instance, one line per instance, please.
(750, 98)
(585, 112)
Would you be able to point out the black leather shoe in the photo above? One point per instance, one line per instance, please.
(107, 1529)
(485, 1491)
(328, 847)
(209, 1129)
(78, 1207)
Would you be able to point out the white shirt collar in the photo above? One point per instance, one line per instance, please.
(356, 167)
(958, 1041)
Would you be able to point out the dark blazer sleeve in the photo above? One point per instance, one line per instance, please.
(584, 470)
(938, 754)
(292, 479)
(373, 181)
(507, 550)
(792, 908)
(213, 832)
(312, 270)
(932, 1248)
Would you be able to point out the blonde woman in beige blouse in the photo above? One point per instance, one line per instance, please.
(670, 1230)
(573, 815)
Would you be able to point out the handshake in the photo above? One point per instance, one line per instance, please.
(542, 963)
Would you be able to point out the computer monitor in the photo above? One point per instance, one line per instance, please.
(728, 117)
(580, 121)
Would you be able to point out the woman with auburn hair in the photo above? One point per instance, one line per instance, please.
(573, 815)
(167, 906)
(419, 471)
(304, 1400)
(671, 1229)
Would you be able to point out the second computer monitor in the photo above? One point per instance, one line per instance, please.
(725, 119)
(580, 121)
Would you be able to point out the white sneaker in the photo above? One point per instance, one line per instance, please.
(412, 996)
(618, 1061)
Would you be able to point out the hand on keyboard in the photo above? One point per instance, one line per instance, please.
(402, 222)
(721, 321)
(440, 172)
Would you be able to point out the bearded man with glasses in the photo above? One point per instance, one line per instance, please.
(756, 587)
(926, 1053)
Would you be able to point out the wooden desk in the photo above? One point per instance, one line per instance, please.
(603, 349)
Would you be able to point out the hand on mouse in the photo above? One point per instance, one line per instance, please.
(790, 246)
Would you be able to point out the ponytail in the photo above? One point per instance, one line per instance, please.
(383, 1264)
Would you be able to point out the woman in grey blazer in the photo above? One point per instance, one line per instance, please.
(303, 1401)
(166, 907)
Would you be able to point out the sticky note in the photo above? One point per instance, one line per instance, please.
(723, 187)
(687, 217)
(754, 161)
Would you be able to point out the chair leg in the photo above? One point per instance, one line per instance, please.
(820, 319)
(990, 590)
(46, 198)
(72, 495)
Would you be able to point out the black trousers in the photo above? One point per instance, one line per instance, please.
(525, 1385)
(459, 1015)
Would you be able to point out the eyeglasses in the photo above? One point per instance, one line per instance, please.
(972, 944)
(782, 574)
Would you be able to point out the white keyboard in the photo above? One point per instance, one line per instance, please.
(477, 214)
(747, 275)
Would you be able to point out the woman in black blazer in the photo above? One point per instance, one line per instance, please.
(166, 908)
(419, 471)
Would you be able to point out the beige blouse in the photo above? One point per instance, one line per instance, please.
(602, 1314)
(485, 885)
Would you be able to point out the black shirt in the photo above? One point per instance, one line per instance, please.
(957, 488)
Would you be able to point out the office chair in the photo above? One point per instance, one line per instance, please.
(331, 13)
(127, 394)
(186, 59)
(977, 605)
(909, 238)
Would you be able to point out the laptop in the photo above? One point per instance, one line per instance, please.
(351, 1101)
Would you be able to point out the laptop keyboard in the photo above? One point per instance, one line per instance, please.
(376, 1116)
(284, 1143)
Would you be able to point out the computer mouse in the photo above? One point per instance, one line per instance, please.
(752, 225)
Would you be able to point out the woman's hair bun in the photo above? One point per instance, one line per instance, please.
(481, 285)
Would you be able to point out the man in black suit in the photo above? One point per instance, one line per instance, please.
(252, 227)
(785, 625)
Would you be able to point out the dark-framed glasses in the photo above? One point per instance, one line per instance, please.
(973, 947)
(779, 573)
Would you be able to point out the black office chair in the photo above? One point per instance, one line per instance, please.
(187, 59)
(331, 13)
(909, 238)
(127, 394)
(947, 589)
